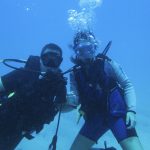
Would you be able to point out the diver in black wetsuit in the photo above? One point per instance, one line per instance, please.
(36, 98)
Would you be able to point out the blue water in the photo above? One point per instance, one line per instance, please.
(27, 25)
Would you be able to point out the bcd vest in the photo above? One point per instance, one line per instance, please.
(34, 98)
(99, 92)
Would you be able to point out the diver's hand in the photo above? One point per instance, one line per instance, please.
(130, 119)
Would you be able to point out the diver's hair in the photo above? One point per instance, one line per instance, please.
(51, 46)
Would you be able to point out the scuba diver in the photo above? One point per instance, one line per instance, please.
(39, 89)
(106, 96)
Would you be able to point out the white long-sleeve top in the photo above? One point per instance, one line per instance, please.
(114, 70)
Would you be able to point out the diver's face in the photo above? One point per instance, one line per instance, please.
(51, 58)
(85, 50)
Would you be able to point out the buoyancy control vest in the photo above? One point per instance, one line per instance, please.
(33, 102)
(43, 95)
(99, 92)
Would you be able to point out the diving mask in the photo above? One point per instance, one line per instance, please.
(51, 59)
(85, 50)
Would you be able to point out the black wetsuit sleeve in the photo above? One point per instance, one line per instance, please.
(16, 78)
(13, 80)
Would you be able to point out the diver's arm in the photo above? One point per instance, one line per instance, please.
(69, 105)
(63, 99)
(126, 85)
(73, 90)
(72, 96)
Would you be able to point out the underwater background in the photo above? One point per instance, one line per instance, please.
(27, 25)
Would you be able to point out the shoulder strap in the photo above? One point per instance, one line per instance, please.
(33, 63)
